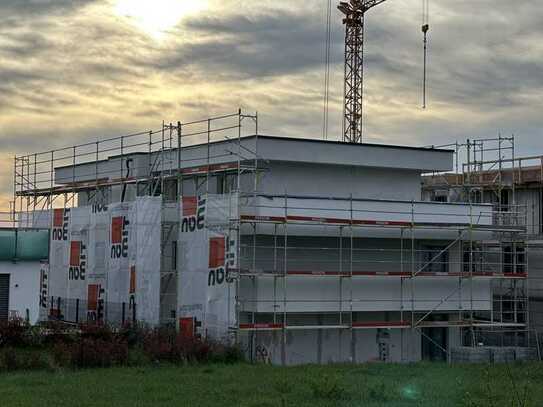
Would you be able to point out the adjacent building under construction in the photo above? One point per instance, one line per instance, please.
(299, 250)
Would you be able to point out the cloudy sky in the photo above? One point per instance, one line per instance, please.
(74, 70)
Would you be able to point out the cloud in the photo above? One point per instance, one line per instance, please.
(73, 71)
(16, 9)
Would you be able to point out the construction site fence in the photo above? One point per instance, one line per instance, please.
(77, 311)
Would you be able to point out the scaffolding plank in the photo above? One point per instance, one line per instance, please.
(370, 222)
(308, 273)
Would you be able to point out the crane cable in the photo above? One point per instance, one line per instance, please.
(327, 57)
(425, 29)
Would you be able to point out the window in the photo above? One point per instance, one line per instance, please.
(226, 183)
(440, 198)
(514, 263)
(200, 183)
(473, 255)
(504, 200)
(476, 196)
(170, 190)
(435, 259)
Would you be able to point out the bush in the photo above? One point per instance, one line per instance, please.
(227, 354)
(97, 332)
(165, 344)
(9, 360)
(91, 352)
(134, 334)
(13, 332)
(98, 345)
(62, 354)
(54, 332)
(14, 359)
(190, 349)
(158, 345)
(137, 357)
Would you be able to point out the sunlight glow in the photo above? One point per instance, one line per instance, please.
(410, 392)
(156, 17)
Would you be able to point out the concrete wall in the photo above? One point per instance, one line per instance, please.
(322, 294)
(367, 155)
(24, 287)
(327, 346)
(112, 168)
(268, 149)
(340, 207)
(340, 181)
(334, 346)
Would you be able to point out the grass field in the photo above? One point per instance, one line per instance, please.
(247, 385)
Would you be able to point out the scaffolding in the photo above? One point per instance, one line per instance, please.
(36, 187)
(169, 162)
(174, 160)
(346, 262)
(486, 166)
(489, 170)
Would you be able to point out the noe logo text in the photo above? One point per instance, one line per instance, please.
(61, 219)
(222, 257)
(194, 209)
(78, 261)
(119, 237)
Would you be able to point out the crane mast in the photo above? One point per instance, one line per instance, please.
(354, 11)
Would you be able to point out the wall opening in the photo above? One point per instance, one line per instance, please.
(435, 341)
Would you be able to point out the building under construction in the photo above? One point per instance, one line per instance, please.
(490, 171)
(299, 250)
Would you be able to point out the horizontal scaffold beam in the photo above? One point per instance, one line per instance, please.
(304, 273)
(371, 222)
(376, 325)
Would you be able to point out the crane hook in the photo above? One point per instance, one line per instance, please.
(425, 29)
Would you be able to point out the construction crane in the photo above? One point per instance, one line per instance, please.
(354, 11)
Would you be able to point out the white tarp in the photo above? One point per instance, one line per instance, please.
(207, 255)
(107, 256)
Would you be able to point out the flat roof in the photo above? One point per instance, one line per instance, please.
(311, 151)
(314, 140)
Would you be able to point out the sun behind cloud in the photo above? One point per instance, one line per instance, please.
(156, 17)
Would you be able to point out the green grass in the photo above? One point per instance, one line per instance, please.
(266, 386)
